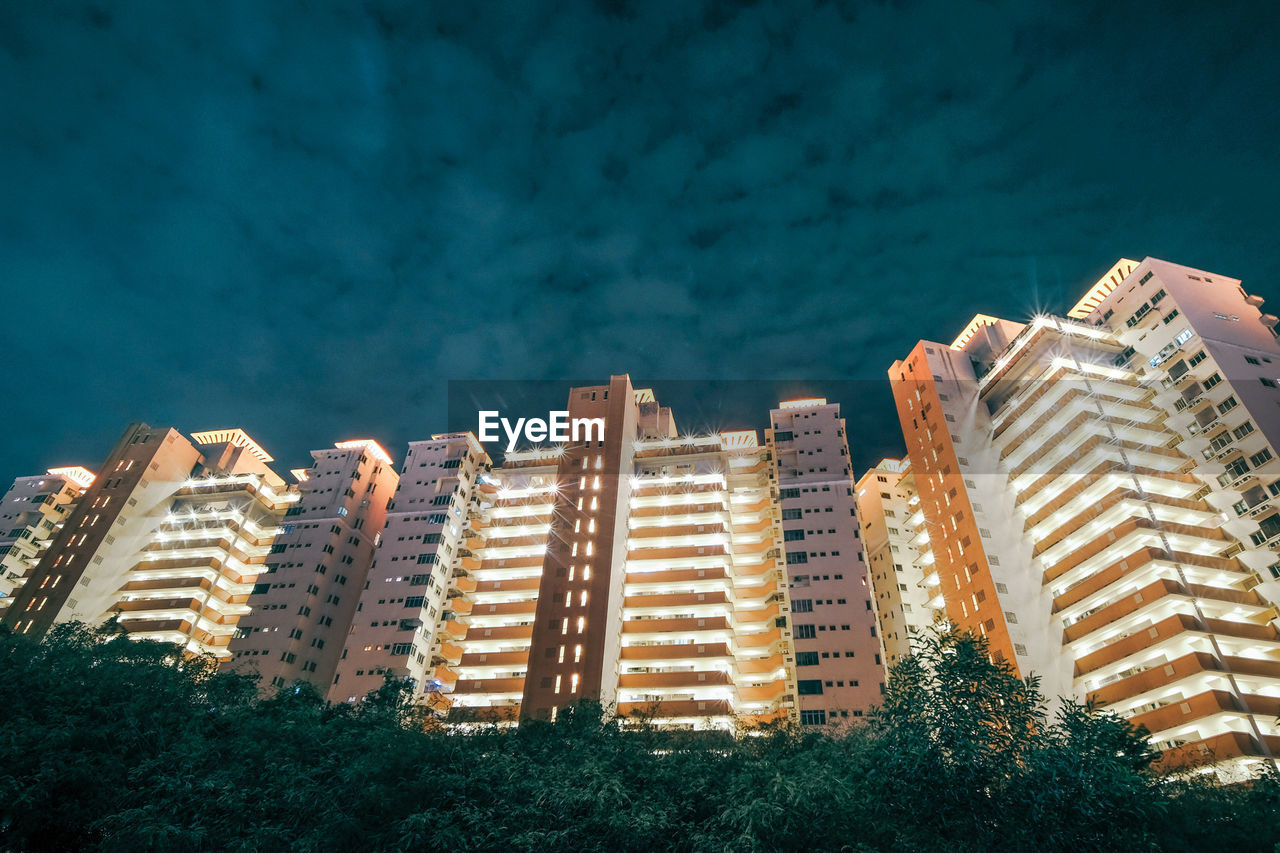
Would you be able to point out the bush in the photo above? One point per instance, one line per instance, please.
(114, 744)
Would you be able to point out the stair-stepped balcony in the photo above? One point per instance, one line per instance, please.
(1158, 599)
(1222, 749)
(701, 628)
(489, 688)
(479, 612)
(1176, 635)
(768, 693)
(706, 553)
(692, 712)
(675, 653)
(767, 638)
(701, 579)
(675, 681)
(691, 532)
(1141, 566)
(497, 660)
(654, 510)
(482, 634)
(506, 589)
(1194, 672)
(655, 604)
(768, 665)
(1071, 560)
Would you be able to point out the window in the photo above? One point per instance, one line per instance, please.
(1252, 360)
(806, 658)
(1236, 468)
(1270, 527)
(813, 718)
(802, 605)
(413, 601)
(1270, 383)
(805, 632)
(809, 687)
(1261, 457)
(1212, 380)
(790, 514)
(1143, 310)
(799, 557)
(1196, 359)
(1227, 405)
(1243, 430)
(792, 535)
(401, 648)
(1159, 294)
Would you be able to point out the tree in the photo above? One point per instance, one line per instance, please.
(117, 744)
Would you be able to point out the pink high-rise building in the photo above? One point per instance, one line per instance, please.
(304, 602)
(839, 669)
(416, 580)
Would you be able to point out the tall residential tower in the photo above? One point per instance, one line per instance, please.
(1100, 489)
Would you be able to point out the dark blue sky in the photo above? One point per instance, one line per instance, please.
(305, 219)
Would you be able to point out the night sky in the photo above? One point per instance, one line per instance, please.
(305, 220)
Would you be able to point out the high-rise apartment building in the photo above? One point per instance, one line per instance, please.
(31, 513)
(303, 604)
(417, 579)
(904, 585)
(648, 570)
(167, 540)
(1099, 491)
(636, 567)
(839, 663)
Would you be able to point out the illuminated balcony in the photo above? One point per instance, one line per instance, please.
(695, 709)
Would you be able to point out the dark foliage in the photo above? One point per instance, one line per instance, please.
(111, 744)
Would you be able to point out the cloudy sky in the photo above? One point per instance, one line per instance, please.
(305, 219)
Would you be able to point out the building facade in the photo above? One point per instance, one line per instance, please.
(1098, 492)
(302, 606)
(839, 659)
(904, 585)
(31, 514)
(638, 568)
(417, 576)
(166, 541)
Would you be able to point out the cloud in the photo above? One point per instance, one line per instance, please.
(308, 218)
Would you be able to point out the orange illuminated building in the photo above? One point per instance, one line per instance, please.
(1100, 494)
